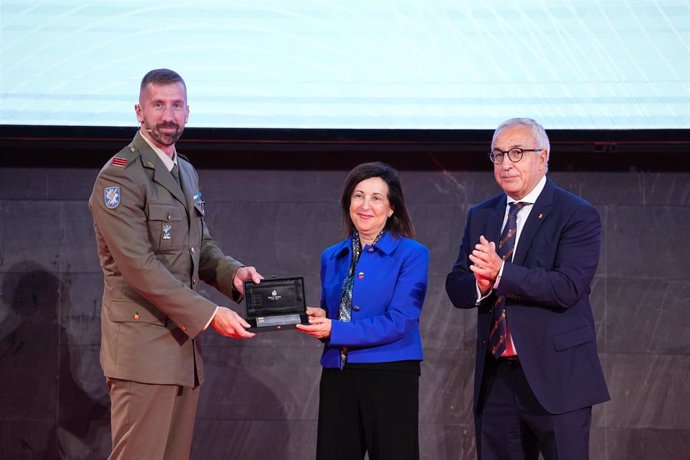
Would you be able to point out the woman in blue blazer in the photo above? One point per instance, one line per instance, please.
(373, 286)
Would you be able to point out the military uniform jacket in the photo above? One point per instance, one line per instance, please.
(154, 247)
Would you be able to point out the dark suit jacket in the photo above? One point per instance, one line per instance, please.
(154, 247)
(547, 287)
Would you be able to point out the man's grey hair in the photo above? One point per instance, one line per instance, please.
(538, 132)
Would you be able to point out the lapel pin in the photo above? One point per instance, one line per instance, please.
(541, 215)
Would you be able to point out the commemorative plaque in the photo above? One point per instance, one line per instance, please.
(275, 304)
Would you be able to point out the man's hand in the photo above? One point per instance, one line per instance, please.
(228, 323)
(245, 274)
(319, 326)
(486, 264)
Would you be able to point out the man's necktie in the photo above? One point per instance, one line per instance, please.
(506, 244)
(175, 171)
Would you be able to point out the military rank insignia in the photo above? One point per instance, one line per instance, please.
(111, 196)
(120, 162)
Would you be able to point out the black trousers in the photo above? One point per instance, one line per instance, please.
(365, 409)
(511, 424)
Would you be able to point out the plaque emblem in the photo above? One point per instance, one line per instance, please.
(274, 295)
(167, 231)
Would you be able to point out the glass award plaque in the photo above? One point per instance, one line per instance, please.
(275, 304)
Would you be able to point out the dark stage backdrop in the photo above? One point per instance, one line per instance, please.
(272, 201)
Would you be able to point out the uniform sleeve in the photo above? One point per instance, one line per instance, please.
(217, 269)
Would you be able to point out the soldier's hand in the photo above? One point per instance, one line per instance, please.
(228, 323)
(245, 274)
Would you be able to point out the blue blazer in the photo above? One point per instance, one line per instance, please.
(547, 287)
(387, 297)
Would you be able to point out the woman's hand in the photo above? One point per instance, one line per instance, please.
(319, 326)
(315, 312)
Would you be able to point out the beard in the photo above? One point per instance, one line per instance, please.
(166, 139)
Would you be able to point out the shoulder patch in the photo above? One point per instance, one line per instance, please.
(111, 197)
(119, 161)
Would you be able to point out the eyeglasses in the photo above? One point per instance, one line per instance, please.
(497, 155)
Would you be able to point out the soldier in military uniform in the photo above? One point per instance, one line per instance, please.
(154, 247)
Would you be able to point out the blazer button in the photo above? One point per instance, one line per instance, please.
(169, 217)
(356, 308)
(360, 275)
(135, 316)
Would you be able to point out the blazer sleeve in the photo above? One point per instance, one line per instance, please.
(461, 284)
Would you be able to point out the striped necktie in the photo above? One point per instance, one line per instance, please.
(506, 243)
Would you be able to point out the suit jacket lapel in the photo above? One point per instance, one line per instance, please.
(495, 221)
(160, 174)
(540, 210)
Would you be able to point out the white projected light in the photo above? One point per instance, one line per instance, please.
(362, 64)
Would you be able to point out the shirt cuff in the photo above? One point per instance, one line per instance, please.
(498, 277)
(211, 319)
(480, 298)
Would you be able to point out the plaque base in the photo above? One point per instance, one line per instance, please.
(276, 323)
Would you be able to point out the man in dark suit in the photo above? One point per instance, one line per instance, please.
(154, 247)
(537, 370)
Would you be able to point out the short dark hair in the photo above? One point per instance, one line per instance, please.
(399, 223)
(161, 77)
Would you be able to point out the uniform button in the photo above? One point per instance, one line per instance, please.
(356, 308)
(360, 275)
(371, 249)
(135, 316)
